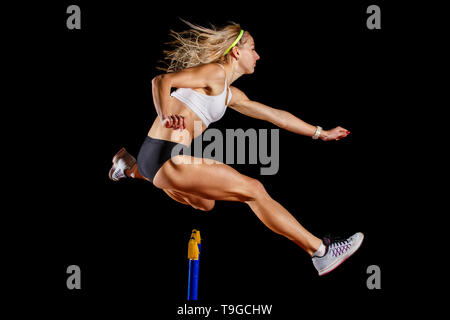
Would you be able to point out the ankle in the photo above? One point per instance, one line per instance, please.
(131, 173)
(319, 251)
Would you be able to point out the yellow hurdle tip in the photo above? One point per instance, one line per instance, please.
(193, 252)
(196, 235)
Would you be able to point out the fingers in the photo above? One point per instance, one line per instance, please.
(335, 134)
(179, 123)
(341, 133)
(175, 122)
(167, 122)
(182, 123)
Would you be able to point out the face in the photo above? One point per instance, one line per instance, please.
(247, 55)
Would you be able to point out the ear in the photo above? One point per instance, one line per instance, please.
(235, 52)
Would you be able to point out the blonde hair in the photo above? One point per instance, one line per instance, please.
(200, 45)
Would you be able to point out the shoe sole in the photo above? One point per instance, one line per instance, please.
(122, 153)
(337, 263)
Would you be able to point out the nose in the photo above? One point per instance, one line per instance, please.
(257, 56)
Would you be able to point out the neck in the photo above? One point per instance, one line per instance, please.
(232, 72)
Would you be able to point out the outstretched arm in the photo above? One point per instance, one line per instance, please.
(281, 118)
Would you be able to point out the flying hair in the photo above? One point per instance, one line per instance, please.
(199, 45)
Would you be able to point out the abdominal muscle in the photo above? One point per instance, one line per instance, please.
(158, 131)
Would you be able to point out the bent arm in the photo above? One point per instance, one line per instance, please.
(196, 77)
(280, 118)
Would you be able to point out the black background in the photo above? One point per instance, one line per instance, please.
(91, 93)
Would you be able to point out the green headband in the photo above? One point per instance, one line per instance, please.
(235, 42)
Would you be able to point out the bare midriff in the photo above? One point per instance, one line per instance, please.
(185, 137)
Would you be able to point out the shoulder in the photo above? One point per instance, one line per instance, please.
(214, 76)
(212, 71)
(207, 75)
(238, 96)
(216, 71)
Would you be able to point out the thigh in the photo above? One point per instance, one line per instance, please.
(216, 181)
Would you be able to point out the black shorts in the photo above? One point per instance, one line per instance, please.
(154, 153)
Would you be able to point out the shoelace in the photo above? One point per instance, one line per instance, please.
(118, 174)
(339, 247)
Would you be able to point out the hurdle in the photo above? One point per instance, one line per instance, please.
(194, 248)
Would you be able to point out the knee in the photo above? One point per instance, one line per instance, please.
(257, 189)
(207, 205)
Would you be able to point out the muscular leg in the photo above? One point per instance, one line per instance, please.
(221, 182)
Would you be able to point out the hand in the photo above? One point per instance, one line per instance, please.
(334, 134)
(174, 122)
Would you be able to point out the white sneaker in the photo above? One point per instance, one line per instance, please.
(121, 161)
(337, 252)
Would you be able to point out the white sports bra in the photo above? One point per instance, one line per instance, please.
(208, 108)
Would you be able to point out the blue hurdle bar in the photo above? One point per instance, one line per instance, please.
(194, 247)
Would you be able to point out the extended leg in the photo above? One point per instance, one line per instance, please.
(221, 182)
(279, 220)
